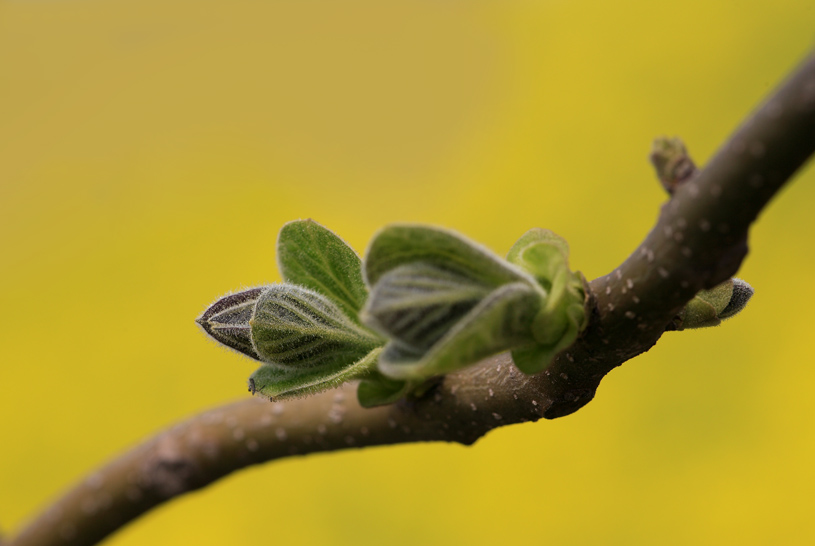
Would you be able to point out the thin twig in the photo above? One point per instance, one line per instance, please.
(699, 241)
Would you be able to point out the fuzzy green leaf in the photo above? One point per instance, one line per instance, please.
(313, 256)
(278, 382)
(402, 244)
(415, 304)
(499, 322)
(299, 328)
(545, 255)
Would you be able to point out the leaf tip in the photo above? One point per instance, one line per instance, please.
(227, 321)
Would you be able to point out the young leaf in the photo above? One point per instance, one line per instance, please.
(299, 328)
(310, 255)
(280, 382)
(401, 244)
(499, 322)
(415, 304)
(227, 321)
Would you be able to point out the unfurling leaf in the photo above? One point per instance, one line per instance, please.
(313, 256)
(443, 301)
(545, 255)
(711, 307)
(446, 302)
(540, 252)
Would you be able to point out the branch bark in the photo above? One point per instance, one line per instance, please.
(699, 241)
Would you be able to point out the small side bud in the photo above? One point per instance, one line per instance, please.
(711, 307)
(742, 292)
(227, 321)
(671, 162)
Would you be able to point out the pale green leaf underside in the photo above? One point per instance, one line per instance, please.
(401, 244)
(281, 382)
(499, 322)
(300, 328)
(415, 304)
(313, 256)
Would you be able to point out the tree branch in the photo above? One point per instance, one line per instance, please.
(698, 242)
(211, 445)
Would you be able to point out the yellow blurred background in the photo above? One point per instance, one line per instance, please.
(150, 150)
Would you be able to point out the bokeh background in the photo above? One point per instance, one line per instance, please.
(151, 149)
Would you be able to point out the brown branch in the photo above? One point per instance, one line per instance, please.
(699, 241)
(209, 446)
